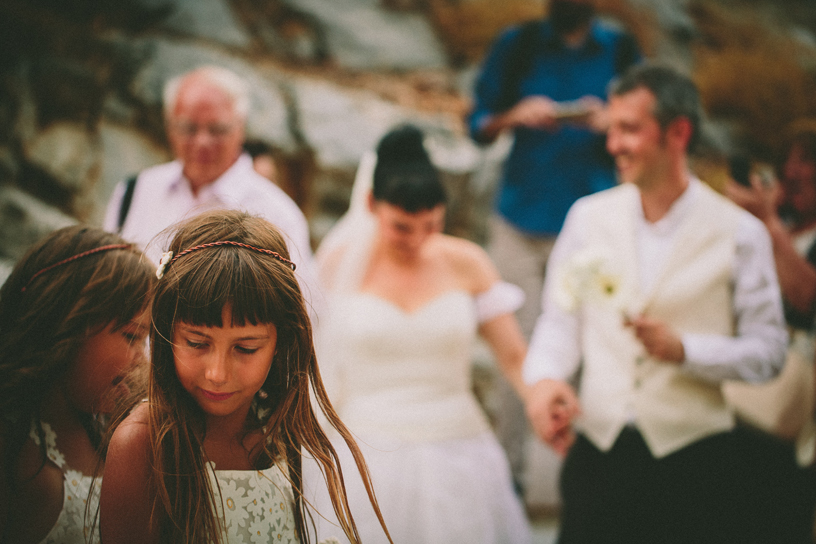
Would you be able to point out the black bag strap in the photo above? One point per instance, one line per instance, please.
(127, 198)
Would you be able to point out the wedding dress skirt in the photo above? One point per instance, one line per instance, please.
(401, 383)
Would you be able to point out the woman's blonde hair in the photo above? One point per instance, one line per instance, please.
(258, 288)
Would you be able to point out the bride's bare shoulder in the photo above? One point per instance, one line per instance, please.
(469, 261)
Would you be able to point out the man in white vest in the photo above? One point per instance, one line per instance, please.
(657, 291)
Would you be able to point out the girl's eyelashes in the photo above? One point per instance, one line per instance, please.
(244, 350)
(132, 336)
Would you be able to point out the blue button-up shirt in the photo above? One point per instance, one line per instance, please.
(549, 170)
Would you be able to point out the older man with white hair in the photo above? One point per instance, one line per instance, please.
(205, 113)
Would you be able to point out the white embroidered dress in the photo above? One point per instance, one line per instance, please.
(70, 527)
(257, 505)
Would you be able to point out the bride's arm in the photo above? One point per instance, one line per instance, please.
(496, 302)
(504, 337)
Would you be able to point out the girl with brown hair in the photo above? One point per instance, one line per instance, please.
(214, 455)
(73, 320)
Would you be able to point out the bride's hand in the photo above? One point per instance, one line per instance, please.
(551, 406)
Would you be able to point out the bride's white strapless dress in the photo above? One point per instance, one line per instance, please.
(401, 383)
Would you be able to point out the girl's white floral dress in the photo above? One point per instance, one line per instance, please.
(257, 506)
(70, 527)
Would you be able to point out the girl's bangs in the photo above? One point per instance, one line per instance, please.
(229, 276)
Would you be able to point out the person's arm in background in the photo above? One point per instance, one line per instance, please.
(797, 277)
(486, 120)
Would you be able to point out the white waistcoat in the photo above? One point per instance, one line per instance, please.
(692, 294)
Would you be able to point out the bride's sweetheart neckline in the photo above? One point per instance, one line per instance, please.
(420, 308)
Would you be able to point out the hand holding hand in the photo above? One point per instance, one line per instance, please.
(660, 341)
(551, 406)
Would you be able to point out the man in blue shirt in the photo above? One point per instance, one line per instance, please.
(545, 81)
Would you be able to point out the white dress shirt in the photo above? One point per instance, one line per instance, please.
(163, 197)
(755, 353)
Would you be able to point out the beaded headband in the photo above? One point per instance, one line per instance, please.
(74, 258)
(167, 259)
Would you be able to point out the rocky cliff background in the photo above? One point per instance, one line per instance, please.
(80, 87)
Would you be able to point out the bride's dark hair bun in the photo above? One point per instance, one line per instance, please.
(404, 175)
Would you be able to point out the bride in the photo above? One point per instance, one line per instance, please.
(405, 305)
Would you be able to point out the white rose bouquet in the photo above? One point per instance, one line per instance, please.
(590, 276)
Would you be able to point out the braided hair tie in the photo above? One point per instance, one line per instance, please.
(74, 258)
(167, 258)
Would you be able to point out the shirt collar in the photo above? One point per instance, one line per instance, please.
(677, 211)
(224, 187)
(552, 42)
(229, 184)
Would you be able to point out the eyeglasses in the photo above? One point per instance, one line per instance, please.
(215, 130)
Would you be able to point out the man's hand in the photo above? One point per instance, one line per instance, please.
(551, 406)
(533, 112)
(660, 341)
(598, 116)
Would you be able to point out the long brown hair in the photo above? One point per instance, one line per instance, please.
(259, 289)
(47, 312)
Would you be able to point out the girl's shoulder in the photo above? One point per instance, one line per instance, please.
(469, 261)
(132, 435)
(126, 500)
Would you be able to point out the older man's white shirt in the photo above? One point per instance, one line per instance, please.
(163, 197)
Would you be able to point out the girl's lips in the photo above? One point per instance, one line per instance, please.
(216, 396)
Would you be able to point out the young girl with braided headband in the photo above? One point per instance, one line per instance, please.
(73, 321)
(214, 455)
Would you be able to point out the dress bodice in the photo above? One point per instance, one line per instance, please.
(256, 504)
(406, 375)
(70, 527)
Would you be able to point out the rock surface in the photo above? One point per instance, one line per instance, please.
(80, 91)
(361, 35)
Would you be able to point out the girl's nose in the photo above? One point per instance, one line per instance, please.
(217, 370)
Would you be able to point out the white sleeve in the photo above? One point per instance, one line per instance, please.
(757, 351)
(554, 351)
(501, 298)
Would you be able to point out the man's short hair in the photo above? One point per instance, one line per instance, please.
(676, 95)
(226, 80)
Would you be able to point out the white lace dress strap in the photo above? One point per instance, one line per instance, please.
(501, 298)
(70, 527)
